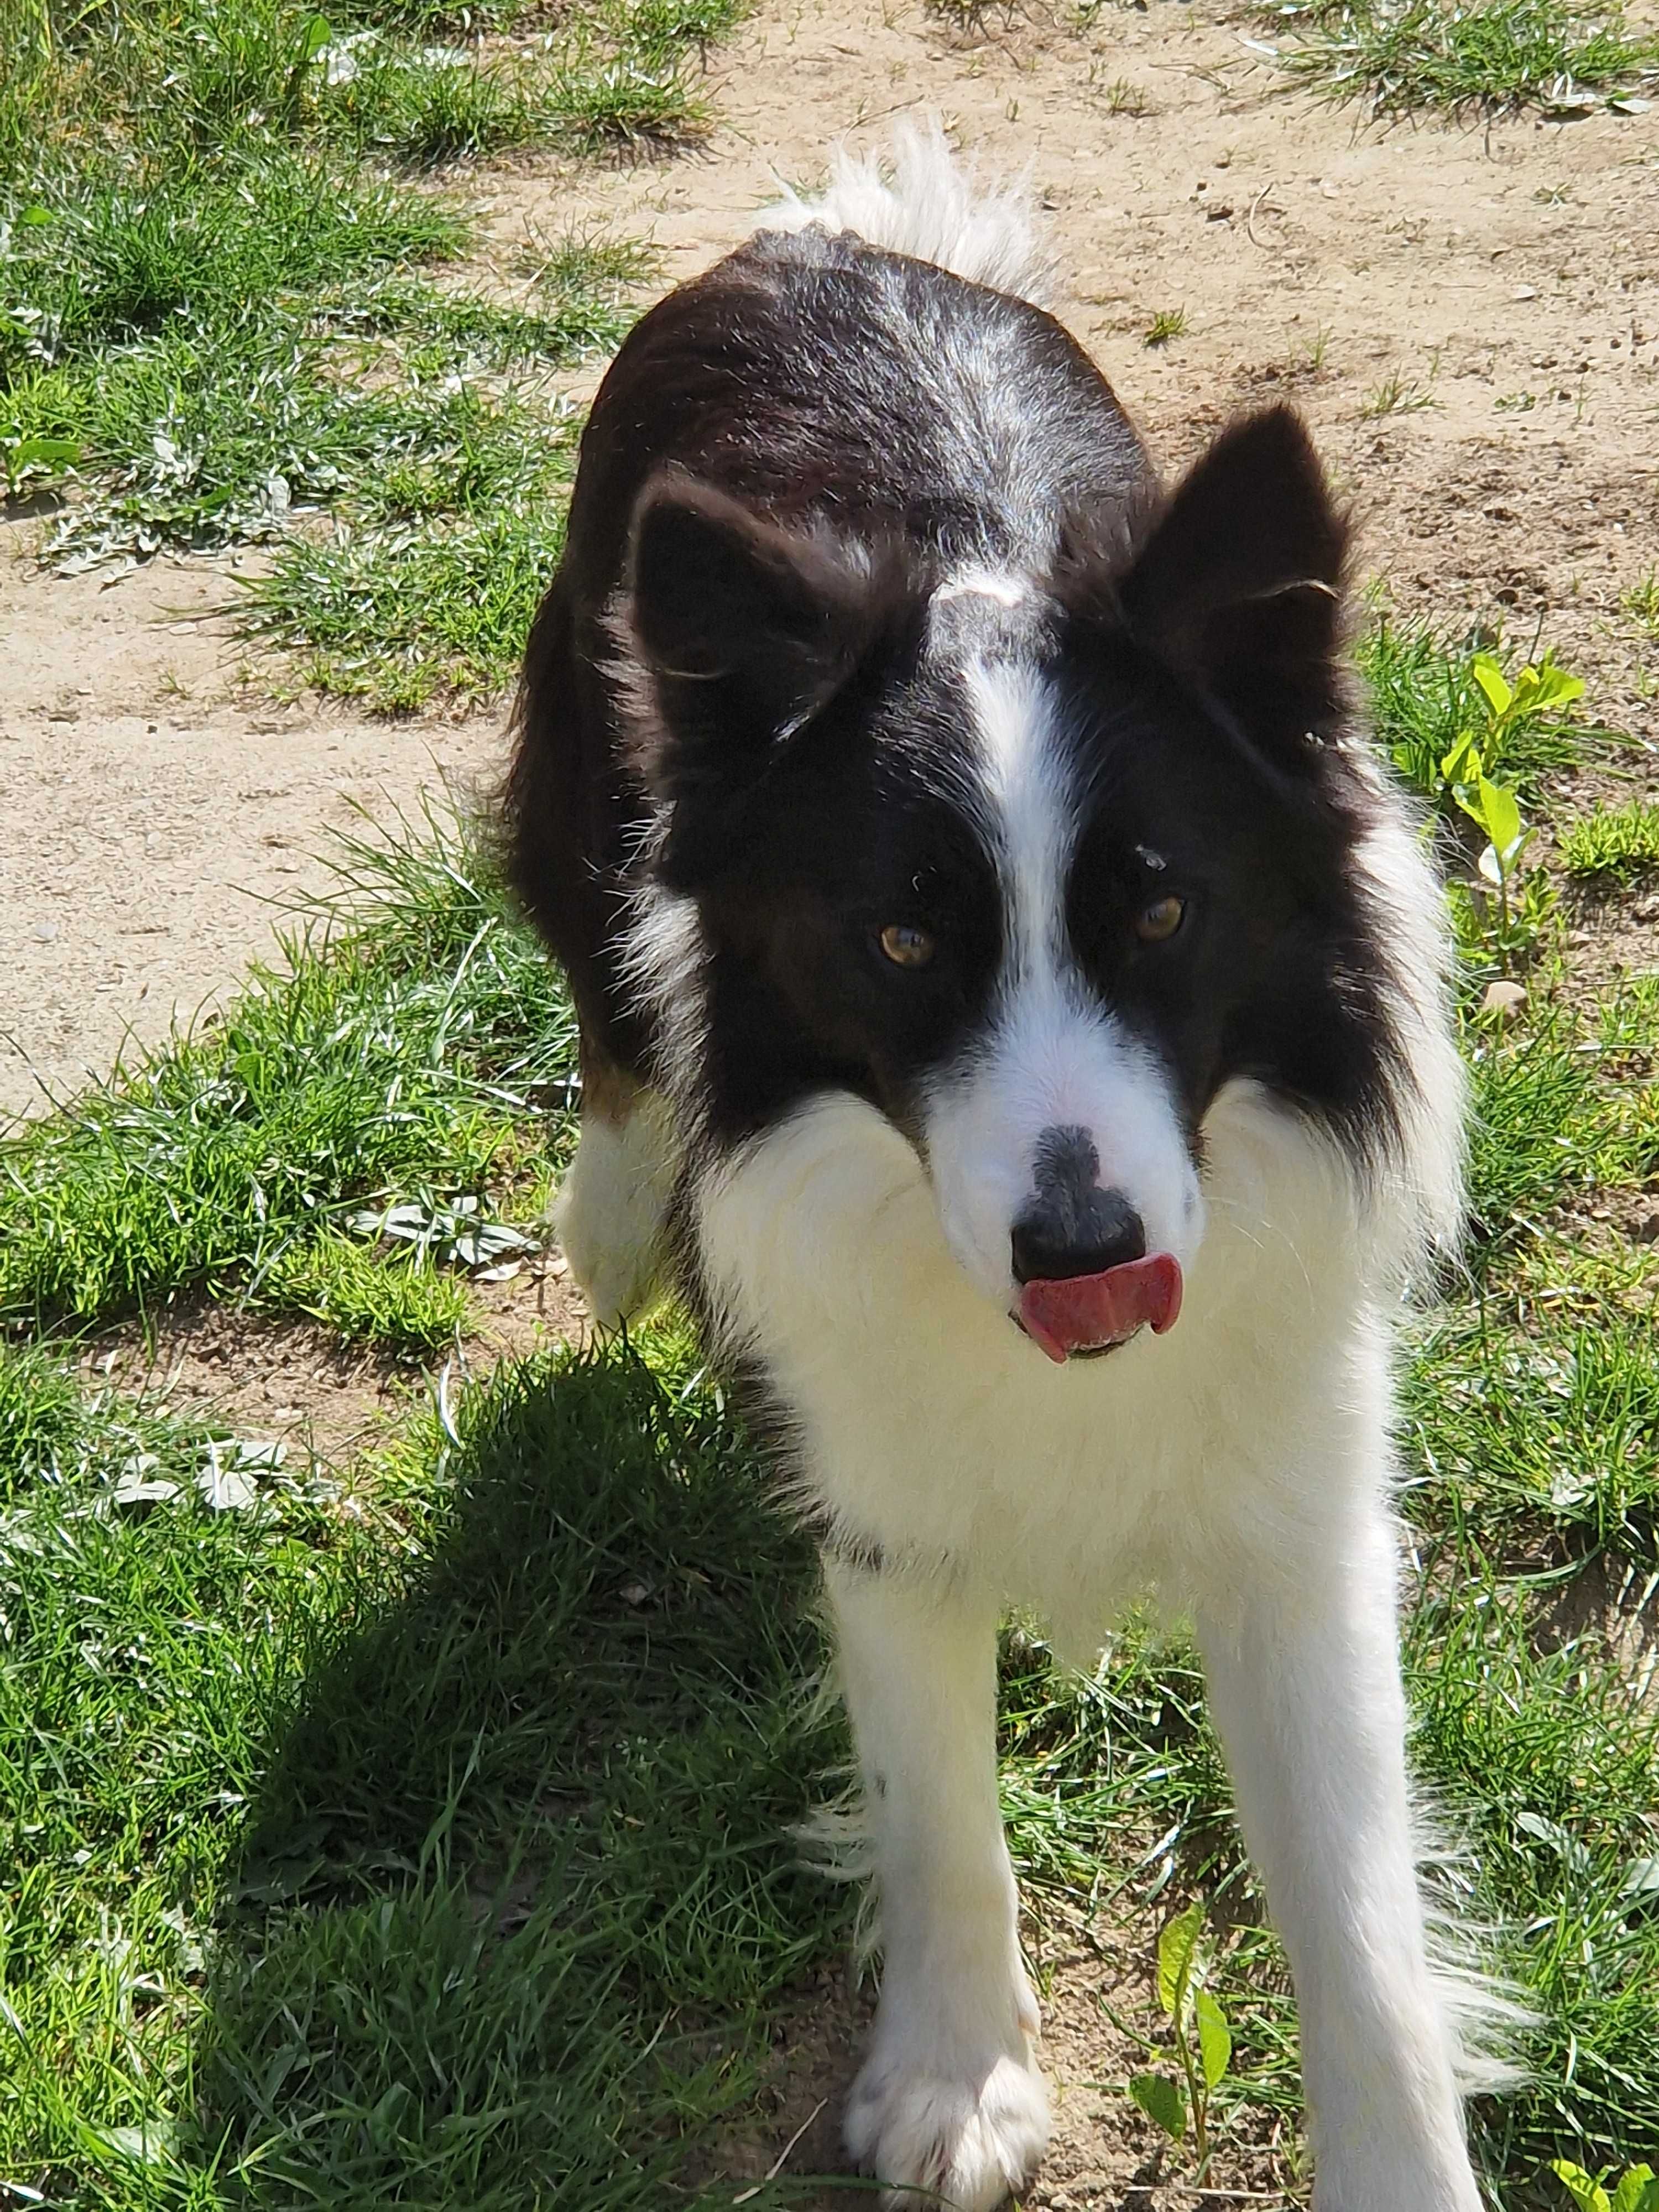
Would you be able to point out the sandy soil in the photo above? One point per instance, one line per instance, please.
(156, 809)
(156, 802)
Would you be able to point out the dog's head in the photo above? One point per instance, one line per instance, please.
(1035, 863)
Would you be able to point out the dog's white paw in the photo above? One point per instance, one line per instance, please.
(971, 2142)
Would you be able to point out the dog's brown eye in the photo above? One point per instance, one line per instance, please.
(905, 946)
(1161, 920)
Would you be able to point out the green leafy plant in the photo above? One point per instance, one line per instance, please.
(1203, 2041)
(456, 1231)
(1514, 919)
(1168, 323)
(1636, 2190)
(1502, 914)
(1425, 699)
(1538, 693)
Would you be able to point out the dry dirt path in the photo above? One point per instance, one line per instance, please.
(153, 801)
(156, 810)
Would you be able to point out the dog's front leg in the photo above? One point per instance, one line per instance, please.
(1305, 1687)
(949, 2098)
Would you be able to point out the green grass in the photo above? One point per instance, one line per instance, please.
(1423, 697)
(375, 78)
(1641, 603)
(398, 1857)
(416, 1833)
(1622, 843)
(1562, 1107)
(408, 1055)
(1554, 1427)
(220, 357)
(1398, 56)
(390, 616)
(1397, 394)
(230, 303)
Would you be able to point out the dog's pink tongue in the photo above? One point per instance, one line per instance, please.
(1081, 1313)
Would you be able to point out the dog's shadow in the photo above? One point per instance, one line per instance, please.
(515, 1885)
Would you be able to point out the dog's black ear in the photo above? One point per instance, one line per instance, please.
(747, 630)
(1238, 585)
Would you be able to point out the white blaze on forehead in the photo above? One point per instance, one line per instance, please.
(1008, 590)
(1030, 819)
(1052, 1056)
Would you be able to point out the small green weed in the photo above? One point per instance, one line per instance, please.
(1399, 56)
(1488, 725)
(1622, 842)
(1120, 96)
(1203, 2041)
(1427, 701)
(1397, 394)
(1641, 603)
(1167, 324)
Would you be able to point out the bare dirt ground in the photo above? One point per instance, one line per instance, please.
(156, 808)
(1507, 276)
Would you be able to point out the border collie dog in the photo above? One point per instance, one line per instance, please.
(1012, 1008)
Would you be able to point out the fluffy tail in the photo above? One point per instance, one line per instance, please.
(926, 204)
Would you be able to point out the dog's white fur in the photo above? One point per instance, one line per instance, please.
(611, 1210)
(932, 208)
(1052, 1058)
(1239, 1466)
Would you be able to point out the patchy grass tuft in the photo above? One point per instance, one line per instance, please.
(1622, 843)
(408, 1056)
(1424, 699)
(220, 304)
(392, 615)
(1402, 56)
(1397, 394)
(1641, 603)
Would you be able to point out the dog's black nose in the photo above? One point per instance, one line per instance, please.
(1071, 1227)
(1103, 1232)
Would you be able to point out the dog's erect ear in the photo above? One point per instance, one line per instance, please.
(747, 630)
(1238, 586)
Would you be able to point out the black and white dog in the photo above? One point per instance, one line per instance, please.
(994, 948)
